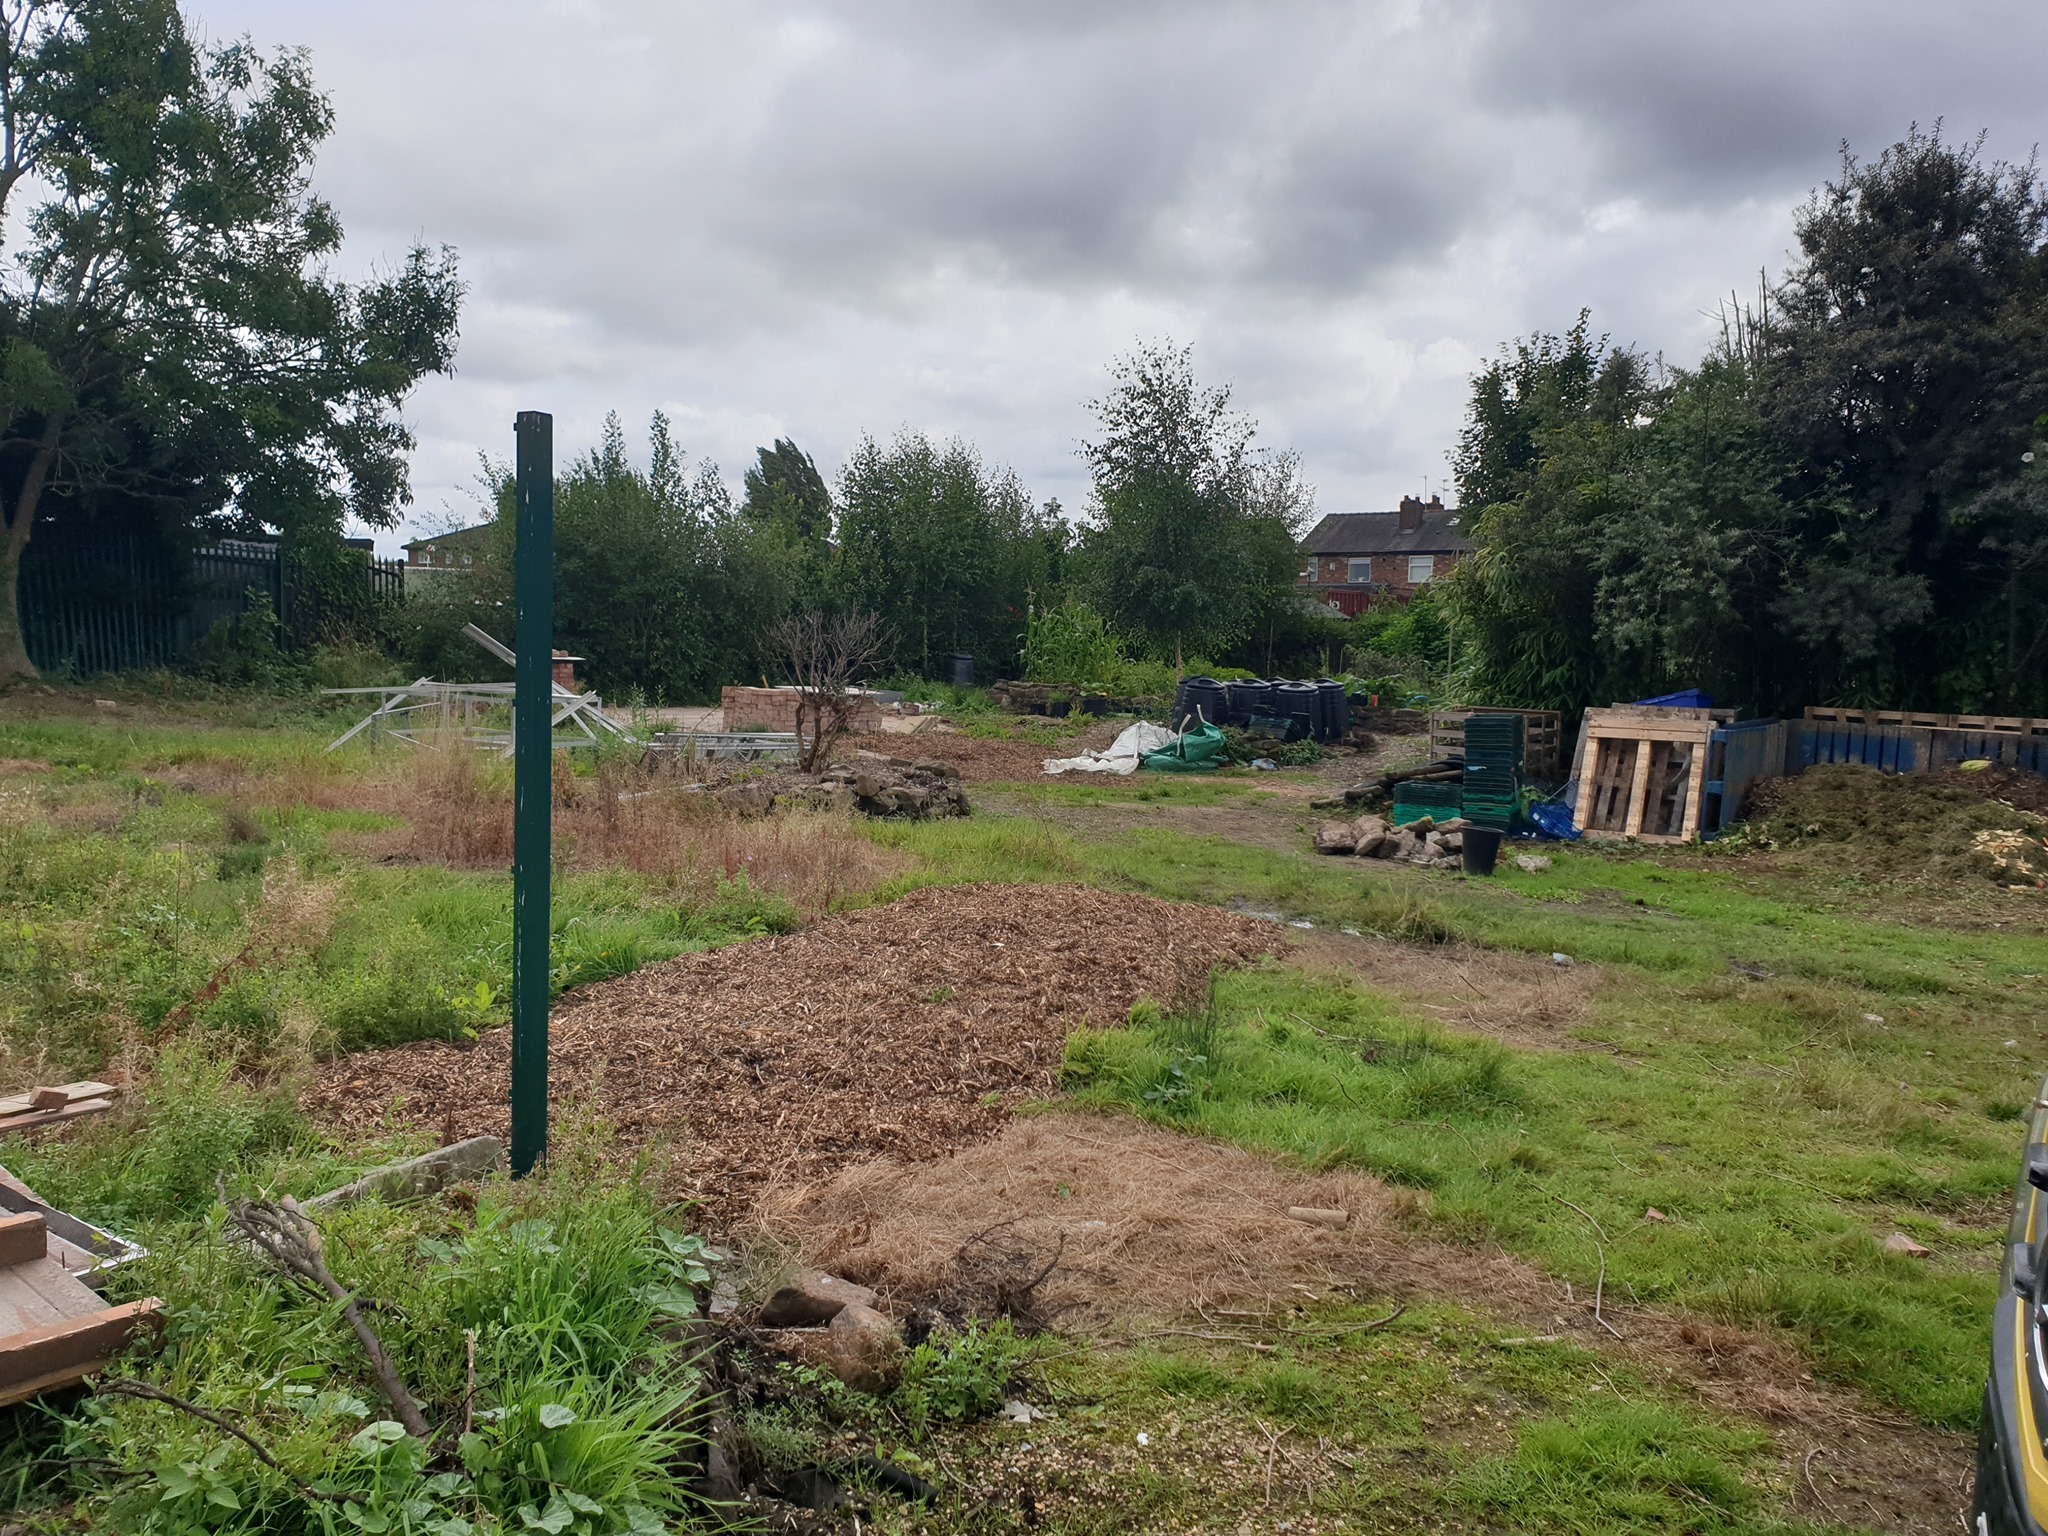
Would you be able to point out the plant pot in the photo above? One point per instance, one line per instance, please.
(1481, 850)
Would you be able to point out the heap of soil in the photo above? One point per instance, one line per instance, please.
(903, 1031)
(1895, 826)
(983, 760)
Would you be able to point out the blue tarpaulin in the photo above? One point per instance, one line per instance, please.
(1685, 698)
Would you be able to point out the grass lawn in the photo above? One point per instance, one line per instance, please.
(1776, 1067)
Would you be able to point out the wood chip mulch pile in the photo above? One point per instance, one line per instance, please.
(903, 1030)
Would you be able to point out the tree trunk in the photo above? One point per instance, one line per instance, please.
(21, 517)
(14, 663)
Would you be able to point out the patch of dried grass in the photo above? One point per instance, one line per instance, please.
(1152, 1227)
(1522, 1000)
(457, 810)
(1145, 1223)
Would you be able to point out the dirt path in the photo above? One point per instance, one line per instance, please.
(1156, 1230)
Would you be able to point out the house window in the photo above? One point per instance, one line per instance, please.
(1310, 573)
(1420, 569)
(1358, 570)
(468, 560)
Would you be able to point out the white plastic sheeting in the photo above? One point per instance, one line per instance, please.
(1120, 756)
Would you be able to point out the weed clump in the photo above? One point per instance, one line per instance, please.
(535, 1324)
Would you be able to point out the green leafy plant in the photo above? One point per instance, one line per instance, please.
(958, 1377)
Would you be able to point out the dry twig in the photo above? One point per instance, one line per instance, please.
(1600, 1246)
(123, 1387)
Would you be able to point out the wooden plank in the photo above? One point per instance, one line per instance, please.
(37, 1119)
(1630, 730)
(38, 1293)
(58, 1354)
(1636, 793)
(21, 1103)
(1696, 798)
(23, 1238)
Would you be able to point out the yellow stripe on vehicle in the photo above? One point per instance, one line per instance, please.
(2033, 1461)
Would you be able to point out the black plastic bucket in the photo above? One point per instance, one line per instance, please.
(1481, 849)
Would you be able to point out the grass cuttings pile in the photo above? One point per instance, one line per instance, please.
(905, 1030)
(1898, 826)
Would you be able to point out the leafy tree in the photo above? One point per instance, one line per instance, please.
(1906, 363)
(1548, 433)
(1833, 505)
(659, 583)
(173, 331)
(785, 491)
(943, 549)
(788, 501)
(1192, 538)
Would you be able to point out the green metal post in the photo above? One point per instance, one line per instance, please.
(533, 587)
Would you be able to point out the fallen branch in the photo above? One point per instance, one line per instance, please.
(123, 1387)
(284, 1234)
(1213, 1338)
(1342, 1328)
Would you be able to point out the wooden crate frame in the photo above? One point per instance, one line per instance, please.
(1542, 736)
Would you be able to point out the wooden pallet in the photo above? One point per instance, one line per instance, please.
(1643, 773)
(1542, 737)
(2019, 725)
(55, 1330)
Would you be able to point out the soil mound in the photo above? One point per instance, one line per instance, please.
(903, 1031)
(1897, 826)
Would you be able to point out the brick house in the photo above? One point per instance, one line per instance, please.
(1354, 557)
(447, 554)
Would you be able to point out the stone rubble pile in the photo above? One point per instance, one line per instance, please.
(891, 786)
(1423, 842)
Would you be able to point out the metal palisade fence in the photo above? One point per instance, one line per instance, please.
(121, 604)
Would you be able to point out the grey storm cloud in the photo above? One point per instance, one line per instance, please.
(820, 220)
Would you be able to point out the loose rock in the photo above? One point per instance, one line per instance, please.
(863, 1349)
(890, 786)
(1336, 837)
(811, 1297)
(1898, 1242)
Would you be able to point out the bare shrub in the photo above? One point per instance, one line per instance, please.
(824, 655)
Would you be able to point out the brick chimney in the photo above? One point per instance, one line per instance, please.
(565, 671)
(1412, 509)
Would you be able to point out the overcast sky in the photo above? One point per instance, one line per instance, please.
(819, 220)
